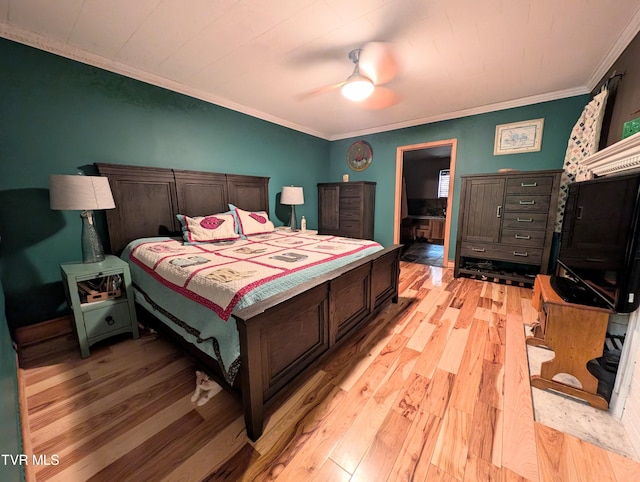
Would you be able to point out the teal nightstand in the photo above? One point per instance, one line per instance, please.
(100, 296)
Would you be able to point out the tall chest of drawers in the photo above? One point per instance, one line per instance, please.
(505, 224)
(347, 209)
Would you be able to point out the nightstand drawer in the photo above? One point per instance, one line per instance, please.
(112, 317)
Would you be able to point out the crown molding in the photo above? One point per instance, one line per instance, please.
(74, 53)
(510, 104)
(622, 42)
(621, 157)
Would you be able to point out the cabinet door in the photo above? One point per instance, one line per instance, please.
(597, 230)
(328, 207)
(436, 228)
(482, 209)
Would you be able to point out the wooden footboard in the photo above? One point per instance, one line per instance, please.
(281, 336)
(284, 335)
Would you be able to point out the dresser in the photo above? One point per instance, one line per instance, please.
(347, 209)
(505, 225)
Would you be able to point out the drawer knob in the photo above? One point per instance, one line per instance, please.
(109, 319)
(520, 236)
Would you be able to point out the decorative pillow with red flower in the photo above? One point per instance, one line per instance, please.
(207, 229)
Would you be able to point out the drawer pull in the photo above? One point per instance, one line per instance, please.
(530, 184)
(525, 254)
(527, 203)
(579, 216)
(524, 220)
(479, 250)
(519, 236)
(109, 319)
(499, 212)
(595, 260)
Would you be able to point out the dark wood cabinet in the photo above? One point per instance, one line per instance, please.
(505, 224)
(593, 233)
(347, 209)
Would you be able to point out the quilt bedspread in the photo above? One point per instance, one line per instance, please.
(187, 281)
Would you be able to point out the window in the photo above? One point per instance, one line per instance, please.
(443, 183)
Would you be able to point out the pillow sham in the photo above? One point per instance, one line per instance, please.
(207, 229)
(253, 222)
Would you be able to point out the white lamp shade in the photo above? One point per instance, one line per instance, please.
(81, 193)
(292, 195)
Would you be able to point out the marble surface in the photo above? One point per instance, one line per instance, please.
(574, 416)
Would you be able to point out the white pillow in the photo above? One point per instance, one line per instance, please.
(206, 229)
(254, 222)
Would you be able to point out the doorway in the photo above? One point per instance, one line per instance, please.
(423, 202)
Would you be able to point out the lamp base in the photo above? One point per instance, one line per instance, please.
(92, 250)
(293, 221)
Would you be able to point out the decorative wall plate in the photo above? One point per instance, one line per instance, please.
(359, 155)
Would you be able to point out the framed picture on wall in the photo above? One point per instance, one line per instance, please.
(518, 137)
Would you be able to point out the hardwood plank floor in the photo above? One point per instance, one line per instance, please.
(436, 389)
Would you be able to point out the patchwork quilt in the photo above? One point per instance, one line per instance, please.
(219, 275)
(194, 288)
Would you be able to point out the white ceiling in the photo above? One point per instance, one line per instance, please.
(459, 57)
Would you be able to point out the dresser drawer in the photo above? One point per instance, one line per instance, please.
(351, 232)
(530, 185)
(502, 252)
(523, 203)
(350, 191)
(528, 221)
(350, 203)
(104, 320)
(523, 237)
(350, 215)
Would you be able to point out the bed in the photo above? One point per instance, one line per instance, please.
(279, 333)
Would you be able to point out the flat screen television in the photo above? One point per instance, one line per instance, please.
(599, 257)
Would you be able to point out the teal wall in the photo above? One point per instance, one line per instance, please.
(10, 434)
(58, 115)
(475, 137)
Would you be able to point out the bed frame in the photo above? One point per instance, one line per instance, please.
(281, 336)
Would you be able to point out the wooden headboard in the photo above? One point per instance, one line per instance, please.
(148, 199)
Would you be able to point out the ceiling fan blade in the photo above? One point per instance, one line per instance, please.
(320, 90)
(379, 61)
(381, 98)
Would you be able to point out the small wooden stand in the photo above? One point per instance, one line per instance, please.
(576, 334)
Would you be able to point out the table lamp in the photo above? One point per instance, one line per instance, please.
(86, 194)
(292, 195)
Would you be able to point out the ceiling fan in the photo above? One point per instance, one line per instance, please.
(375, 64)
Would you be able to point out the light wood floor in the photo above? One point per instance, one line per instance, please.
(437, 389)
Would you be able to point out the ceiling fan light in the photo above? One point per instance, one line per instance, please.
(357, 87)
